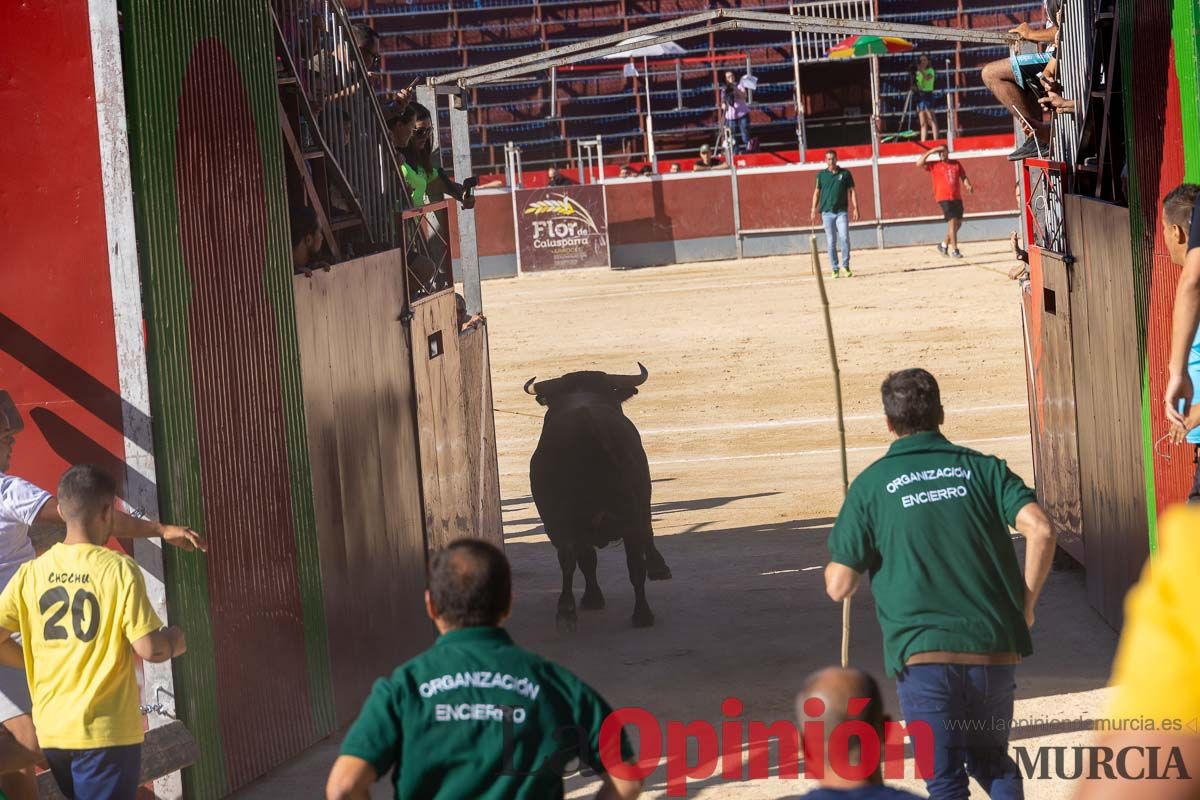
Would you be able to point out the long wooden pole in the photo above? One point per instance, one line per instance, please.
(841, 421)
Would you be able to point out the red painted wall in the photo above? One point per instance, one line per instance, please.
(1160, 155)
(57, 346)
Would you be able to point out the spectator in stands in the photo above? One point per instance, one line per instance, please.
(835, 196)
(707, 160)
(1014, 82)
(925, 89)
(1156, 675)
(556, 178)
(510, 736)
(826, 698)
(307, 240)
(81, 673)
(737, 111)
(674, 167)
(947, 173)
(626, 171)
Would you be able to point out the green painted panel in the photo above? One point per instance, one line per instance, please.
(159, 40)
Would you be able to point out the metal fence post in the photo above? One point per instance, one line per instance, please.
(468, 246)
(733, 183)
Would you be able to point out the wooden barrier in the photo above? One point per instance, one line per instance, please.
(483, 491)
(1056, 438)
(360, 416)
(167, 749)
(1108, 380)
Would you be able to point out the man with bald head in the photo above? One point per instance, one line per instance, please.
(475, 715)
(834, 696)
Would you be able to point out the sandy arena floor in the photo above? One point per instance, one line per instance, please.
(737, 418)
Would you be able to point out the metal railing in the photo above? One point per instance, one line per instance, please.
(427, 259)
(320, 42)
(1045, 184)
(1074, 65)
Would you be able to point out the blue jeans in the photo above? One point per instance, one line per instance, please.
(969, 709)
(838, 239)
(743, 132)
(109, 772)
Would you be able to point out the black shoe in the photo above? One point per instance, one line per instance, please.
(1031, 148)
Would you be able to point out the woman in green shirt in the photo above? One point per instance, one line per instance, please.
(925, 83)
(427, 183)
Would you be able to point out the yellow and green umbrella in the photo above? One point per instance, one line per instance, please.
(868, 45)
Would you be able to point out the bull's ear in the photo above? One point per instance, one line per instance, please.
(542, 401)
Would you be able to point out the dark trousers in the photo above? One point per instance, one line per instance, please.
(969, 709)
(103, 773)
(743, 133)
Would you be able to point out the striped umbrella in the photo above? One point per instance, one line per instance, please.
(866, 45)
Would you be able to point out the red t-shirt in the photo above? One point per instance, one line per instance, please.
(947, 176)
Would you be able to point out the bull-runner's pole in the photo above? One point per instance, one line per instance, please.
(841, 421)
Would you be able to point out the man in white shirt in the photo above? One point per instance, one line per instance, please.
(23, 506)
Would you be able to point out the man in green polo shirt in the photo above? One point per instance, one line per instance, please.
(834, 195)
(475, 716)
(930, 521)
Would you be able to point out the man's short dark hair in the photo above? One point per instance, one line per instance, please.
(304, 223)
(1178, 205)
(831, 152)
(82, 490)
(912, 401)
(364, 34)
(470, 583)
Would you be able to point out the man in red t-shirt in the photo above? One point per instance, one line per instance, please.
(947, 174)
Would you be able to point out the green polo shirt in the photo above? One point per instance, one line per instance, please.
(476, 716)
(930, 521)
(835, 189)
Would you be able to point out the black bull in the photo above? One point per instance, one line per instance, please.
(591, 483)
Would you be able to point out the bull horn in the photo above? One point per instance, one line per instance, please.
(630, 380)
(529, 383)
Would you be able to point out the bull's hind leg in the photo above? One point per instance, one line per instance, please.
(566, 600)
(593, 598)
(635, 558)
(656, 565)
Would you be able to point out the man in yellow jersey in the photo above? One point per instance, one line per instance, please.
(82, 612)
(1153, 725)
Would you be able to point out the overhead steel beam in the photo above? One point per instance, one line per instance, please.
(725, 19)
(596, 44)
(727, 25)
(873, 27)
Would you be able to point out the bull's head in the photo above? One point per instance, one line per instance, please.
(612, 388)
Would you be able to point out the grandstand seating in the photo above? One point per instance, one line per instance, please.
(421, 38)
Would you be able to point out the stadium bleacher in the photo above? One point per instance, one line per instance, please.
(421, 39)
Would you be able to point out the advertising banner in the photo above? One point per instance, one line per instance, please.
(562, 227)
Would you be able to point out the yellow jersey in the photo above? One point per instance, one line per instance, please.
(78, 608)
(1157, 669)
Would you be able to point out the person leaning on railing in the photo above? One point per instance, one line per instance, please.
(427, 181)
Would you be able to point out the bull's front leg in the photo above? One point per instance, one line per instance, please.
(635, 558)
(566, 601)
